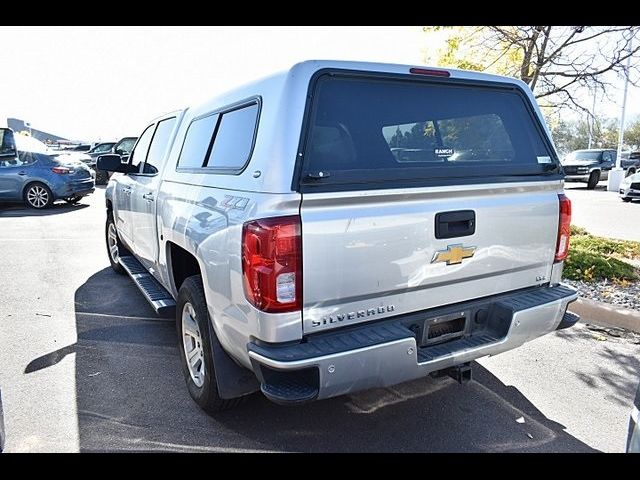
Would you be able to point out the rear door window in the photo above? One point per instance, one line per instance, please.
(373, 130)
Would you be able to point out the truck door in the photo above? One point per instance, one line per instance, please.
(123, 194)
(144, 194)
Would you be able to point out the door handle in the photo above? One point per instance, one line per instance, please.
(22, 174)
(148, 196)
(459, 223)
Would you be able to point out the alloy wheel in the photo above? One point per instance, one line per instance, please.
(37, 196)
(192, 344)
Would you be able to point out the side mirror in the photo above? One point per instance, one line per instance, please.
(8, 148)
(113, 163)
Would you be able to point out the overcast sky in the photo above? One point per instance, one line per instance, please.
(106, 82)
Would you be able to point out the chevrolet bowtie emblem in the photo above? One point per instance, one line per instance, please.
(454, 254)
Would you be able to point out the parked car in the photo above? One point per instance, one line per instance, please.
(123, 148)
(101, 148)
(84, 147)
(630, 188)
(590, 166)
(31, 173)
(97, 150)
(300, 257)
(633, 438)
(631, 164)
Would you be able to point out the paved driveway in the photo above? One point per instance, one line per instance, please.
(86, 365)
(603, 213)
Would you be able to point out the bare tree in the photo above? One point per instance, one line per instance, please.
(554, 61)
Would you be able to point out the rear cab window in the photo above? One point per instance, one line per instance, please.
(373, 132)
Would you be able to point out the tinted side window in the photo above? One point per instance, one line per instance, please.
(158, 145)
(197, 141)
(139, 154)
(234, 138)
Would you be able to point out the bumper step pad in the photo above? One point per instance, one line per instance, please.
(159, 298)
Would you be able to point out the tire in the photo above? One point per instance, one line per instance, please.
(594, 178)
(626, 199)
(192, 316)
(37, 195)
(115, 248)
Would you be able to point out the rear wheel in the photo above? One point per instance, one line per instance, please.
(594, 178)
(38, 195)
(115, 248)
(192, 318)
(626, 199)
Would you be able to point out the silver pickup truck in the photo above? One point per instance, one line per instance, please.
(342, 226)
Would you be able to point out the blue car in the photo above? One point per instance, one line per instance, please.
(32, 173)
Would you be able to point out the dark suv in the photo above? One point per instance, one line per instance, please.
(123, 148)
(593, 165)
(589, 166)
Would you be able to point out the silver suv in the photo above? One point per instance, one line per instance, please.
(342, 226)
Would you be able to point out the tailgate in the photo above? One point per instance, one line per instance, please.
(421, 193)
(377, 255)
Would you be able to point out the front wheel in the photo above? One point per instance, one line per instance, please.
(626, 199)
(115, 248)
(594, 178)
(192, 318)
(38, 196)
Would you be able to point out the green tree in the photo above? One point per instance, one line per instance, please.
(553, 61)
(632, 134)
(569, 135)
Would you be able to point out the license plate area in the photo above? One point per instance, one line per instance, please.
(444, 328)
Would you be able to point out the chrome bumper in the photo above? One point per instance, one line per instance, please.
(401, 360)
(577, 178)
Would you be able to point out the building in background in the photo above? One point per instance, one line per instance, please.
(18, 125)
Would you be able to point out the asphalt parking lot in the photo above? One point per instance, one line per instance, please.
(85, 365)
(603, 213)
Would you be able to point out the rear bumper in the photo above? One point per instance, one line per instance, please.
(75, 188)
(389, 352)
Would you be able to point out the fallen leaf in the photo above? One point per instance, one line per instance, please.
(530, 436)
(94, 374)
(520, 420)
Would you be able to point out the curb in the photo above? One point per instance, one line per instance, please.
(606, 314)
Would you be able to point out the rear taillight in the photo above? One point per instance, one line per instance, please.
(564, 228)
(61, 170)
(272, 264)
